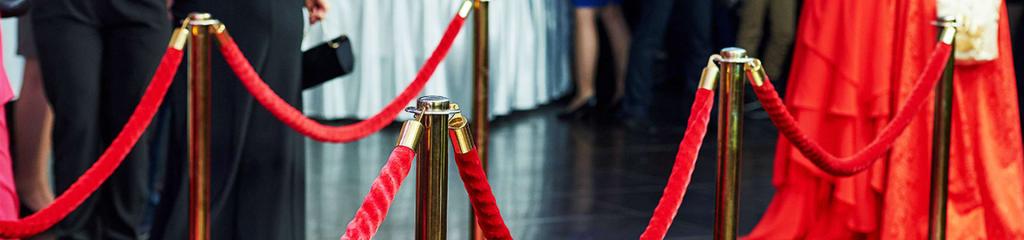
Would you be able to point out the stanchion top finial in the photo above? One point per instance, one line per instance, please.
(433, 105)
(734, 55)
(201, 18)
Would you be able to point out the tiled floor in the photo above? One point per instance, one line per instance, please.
(553, 180)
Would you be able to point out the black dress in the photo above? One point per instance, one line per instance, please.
(257, 165)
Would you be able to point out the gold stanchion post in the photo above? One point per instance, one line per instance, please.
(730, 142)
(432, 168)
(940, 137)
(481, 88)
(200, 26)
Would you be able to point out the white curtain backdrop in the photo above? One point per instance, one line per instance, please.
(530, 47)
(14, 64)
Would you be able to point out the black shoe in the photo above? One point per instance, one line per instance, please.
(584, 111)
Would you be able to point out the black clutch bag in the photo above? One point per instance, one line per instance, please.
(14, 8)
(327, 61)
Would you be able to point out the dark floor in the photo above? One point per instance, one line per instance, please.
(553, 180)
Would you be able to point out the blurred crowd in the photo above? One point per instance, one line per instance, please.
(651, 53)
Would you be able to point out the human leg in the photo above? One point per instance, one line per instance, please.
(34, 118)
(619, 37)
(586, 52)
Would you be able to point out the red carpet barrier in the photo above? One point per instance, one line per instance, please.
(108, 162)
(682, 170)
(377, 202)
(863, 159)
(339, 134)
(481, 196)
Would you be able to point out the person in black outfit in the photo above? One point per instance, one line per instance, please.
(648, 36)
(98, 56)
(257, 166)
(691, 51)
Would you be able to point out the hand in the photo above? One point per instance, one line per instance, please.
(317, 10)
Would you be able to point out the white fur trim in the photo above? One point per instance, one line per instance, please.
(977, 39)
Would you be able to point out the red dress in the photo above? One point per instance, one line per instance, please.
(854, 64)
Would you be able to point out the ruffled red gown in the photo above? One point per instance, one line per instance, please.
(854, 64)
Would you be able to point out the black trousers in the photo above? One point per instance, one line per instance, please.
(648, 36)
(257, 167)
(97, 57)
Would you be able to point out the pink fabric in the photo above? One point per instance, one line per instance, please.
(8, 193)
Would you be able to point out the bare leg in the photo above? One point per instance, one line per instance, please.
(619, 37)
(586, 56)
(34, 119)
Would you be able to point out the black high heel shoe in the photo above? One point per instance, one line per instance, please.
(582, 112)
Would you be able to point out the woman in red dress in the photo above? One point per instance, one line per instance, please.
(854, 64)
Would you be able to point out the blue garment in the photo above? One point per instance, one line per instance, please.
(595, 3)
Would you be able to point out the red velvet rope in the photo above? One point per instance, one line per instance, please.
(375, 206)
(481, 196)
(863, 159)
(296, 120)
(107, 163)
(682, 170)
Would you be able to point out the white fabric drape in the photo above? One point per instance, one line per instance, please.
(530, 42)
(14, 64)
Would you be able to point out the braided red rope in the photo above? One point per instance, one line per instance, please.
(863, 159)
(481, 196)
(107, 163)
(296, 120)
(375, 206)
(682, 170)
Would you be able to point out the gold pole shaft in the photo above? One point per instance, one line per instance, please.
(432, 169)
(199, 124)
(481, 88)
(941, 138)
(730, 142)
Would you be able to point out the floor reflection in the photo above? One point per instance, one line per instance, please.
(552, 179)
